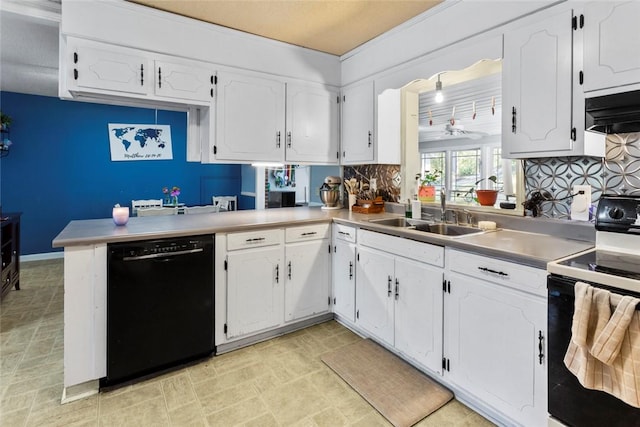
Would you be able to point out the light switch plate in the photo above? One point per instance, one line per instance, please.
(580, 203)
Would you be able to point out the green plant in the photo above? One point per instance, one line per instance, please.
(429, 177)
(4, 119)
(492, 178)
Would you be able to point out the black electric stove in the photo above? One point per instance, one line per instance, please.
(617, 254)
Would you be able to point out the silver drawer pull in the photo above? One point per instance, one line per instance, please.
(310, 233)
(488, 270)
(256, 239)
(344, 233)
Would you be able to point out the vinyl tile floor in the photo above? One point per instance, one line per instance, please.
(280, 382)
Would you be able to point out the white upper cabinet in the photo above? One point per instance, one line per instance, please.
(184, 81)
(536, 88)
(313, 131)
(357, 124)
(249, 118)
(389, 124)
(101, 70)
(611, 44)
(542, 89)
(255, 121)
(97, 66)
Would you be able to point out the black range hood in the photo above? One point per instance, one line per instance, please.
(616, 113)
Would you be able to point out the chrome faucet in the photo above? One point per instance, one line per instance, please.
(443, 204)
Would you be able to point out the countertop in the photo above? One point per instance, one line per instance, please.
(526, 248)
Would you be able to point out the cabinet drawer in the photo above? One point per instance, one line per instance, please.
(344, 232)
(254, 239)
(423, 252)
(307, 232)
(521, 277)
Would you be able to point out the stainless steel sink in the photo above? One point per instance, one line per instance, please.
(427, 226)
(392, 222)
(446, 229)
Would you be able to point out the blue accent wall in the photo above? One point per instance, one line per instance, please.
(59, 167)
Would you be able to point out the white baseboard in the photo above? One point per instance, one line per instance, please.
(42, 257)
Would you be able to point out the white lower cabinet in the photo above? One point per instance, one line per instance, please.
(308, 271)
(344, 272)
(375, 274)
(274, 276)
(255, 291)
(494, 336)
(399, 300)
(418, 312)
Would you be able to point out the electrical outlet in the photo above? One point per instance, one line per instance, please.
(580, 202)
(373, 184)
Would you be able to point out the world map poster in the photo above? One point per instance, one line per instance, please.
(140, 142)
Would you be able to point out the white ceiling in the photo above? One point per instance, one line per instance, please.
(29, 29)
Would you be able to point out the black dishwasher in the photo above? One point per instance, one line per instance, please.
(160, 305)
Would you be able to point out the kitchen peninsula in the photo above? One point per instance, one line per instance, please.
(85, 243)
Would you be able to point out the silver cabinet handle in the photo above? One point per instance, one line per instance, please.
(278, 139)
(388, 286)
(370, 137)
(289, 270)
(289, 139)
(397, 289)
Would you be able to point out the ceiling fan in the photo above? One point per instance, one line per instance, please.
(448, 131)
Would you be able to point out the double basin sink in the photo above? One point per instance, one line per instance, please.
(440, 228)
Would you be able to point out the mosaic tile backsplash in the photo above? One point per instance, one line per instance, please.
(617, 173)
(387, 179)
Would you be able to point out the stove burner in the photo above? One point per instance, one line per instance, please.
(612, 263)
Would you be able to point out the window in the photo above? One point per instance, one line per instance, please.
(463, 166)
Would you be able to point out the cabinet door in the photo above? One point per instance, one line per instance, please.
(312, 124)
(344, 280)
(184, 81)
(307, 279)
(249, 118)
(374, 290)
(611, 44)
(491, 342)
(254, 290)
(109, 68)
(357, 124)
(389, 126)
(536, 88)
(418, 312)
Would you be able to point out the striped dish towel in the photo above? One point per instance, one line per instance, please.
(604, 351)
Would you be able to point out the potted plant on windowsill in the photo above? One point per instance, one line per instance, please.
(486, 197)
(426, 189)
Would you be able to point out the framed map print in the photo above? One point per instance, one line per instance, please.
(140, 142)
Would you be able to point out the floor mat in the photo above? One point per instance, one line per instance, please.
(401, 393)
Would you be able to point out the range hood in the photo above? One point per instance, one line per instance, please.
(616, 113)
